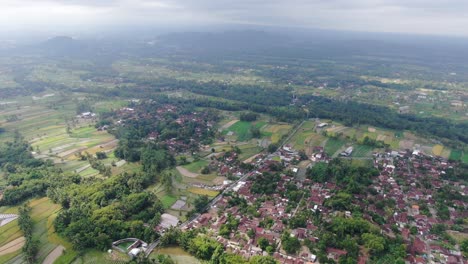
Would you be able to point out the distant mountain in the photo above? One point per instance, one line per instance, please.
(64, 46)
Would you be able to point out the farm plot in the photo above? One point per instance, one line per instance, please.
(43, 212)
(455, 154)
(465, 157)
(361, 151)
(333, 145)
(277, 131)
(248, 150)
(201, 191)
(241, 130)
(45, 127)
(195, 167)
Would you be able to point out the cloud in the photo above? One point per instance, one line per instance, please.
(409, 16)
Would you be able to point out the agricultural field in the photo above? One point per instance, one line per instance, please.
(43, 213)
(306, 138)
(333, 145)
(177, 254)
(195, 167)
(362, 151)
(202, 191)
(156, 68)
(277, 131)
(49, 123)
(465, 158)
(456, 155)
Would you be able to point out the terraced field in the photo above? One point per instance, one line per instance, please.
(43, 213)
(44, 124)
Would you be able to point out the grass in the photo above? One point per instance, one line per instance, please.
(125, 245)
(455, 154)
(465, 157)
(241, 129)
(248, 151)
(177, 254)
(168, 200)
(95, 256)
(201, 191)
(196, 166)
(333, 145)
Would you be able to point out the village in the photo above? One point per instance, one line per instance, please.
(399, 181)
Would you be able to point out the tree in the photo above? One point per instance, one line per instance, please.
(290, 243)
(464, 247)
(255, 131)
(101, 155)
(262, 260)
(200, 203)
(376, 244)
(263, 243)
(205, 170)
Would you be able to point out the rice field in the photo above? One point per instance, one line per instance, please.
(361, 151)
(277, 131)
(43, 123)
(201, 191)
(465, 157)
(43, 213)
(455, 154)
(437, 150)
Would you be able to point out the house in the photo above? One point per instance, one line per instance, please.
(404, 109)
(335, 254)
(347, 152)
(322, 125)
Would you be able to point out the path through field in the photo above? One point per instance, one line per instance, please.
(12, 246)
(57, 252)
(186, 172)
(228, 124)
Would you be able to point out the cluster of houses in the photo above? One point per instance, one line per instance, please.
(399, 180)
(412, 179)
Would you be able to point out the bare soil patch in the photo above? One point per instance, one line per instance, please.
(12, 246)
(228, 124)
(55, 254)
(219, 180)
(186, 172)
(406, 144)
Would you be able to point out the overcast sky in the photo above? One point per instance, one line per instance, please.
(442, 17)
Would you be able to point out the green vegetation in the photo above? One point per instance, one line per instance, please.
(455, 154)
(196, 166)
(25, 223)
(362, 151)
(333, 145)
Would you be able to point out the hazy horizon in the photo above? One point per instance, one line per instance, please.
(86, 18)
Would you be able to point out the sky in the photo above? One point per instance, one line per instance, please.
(434, 17)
